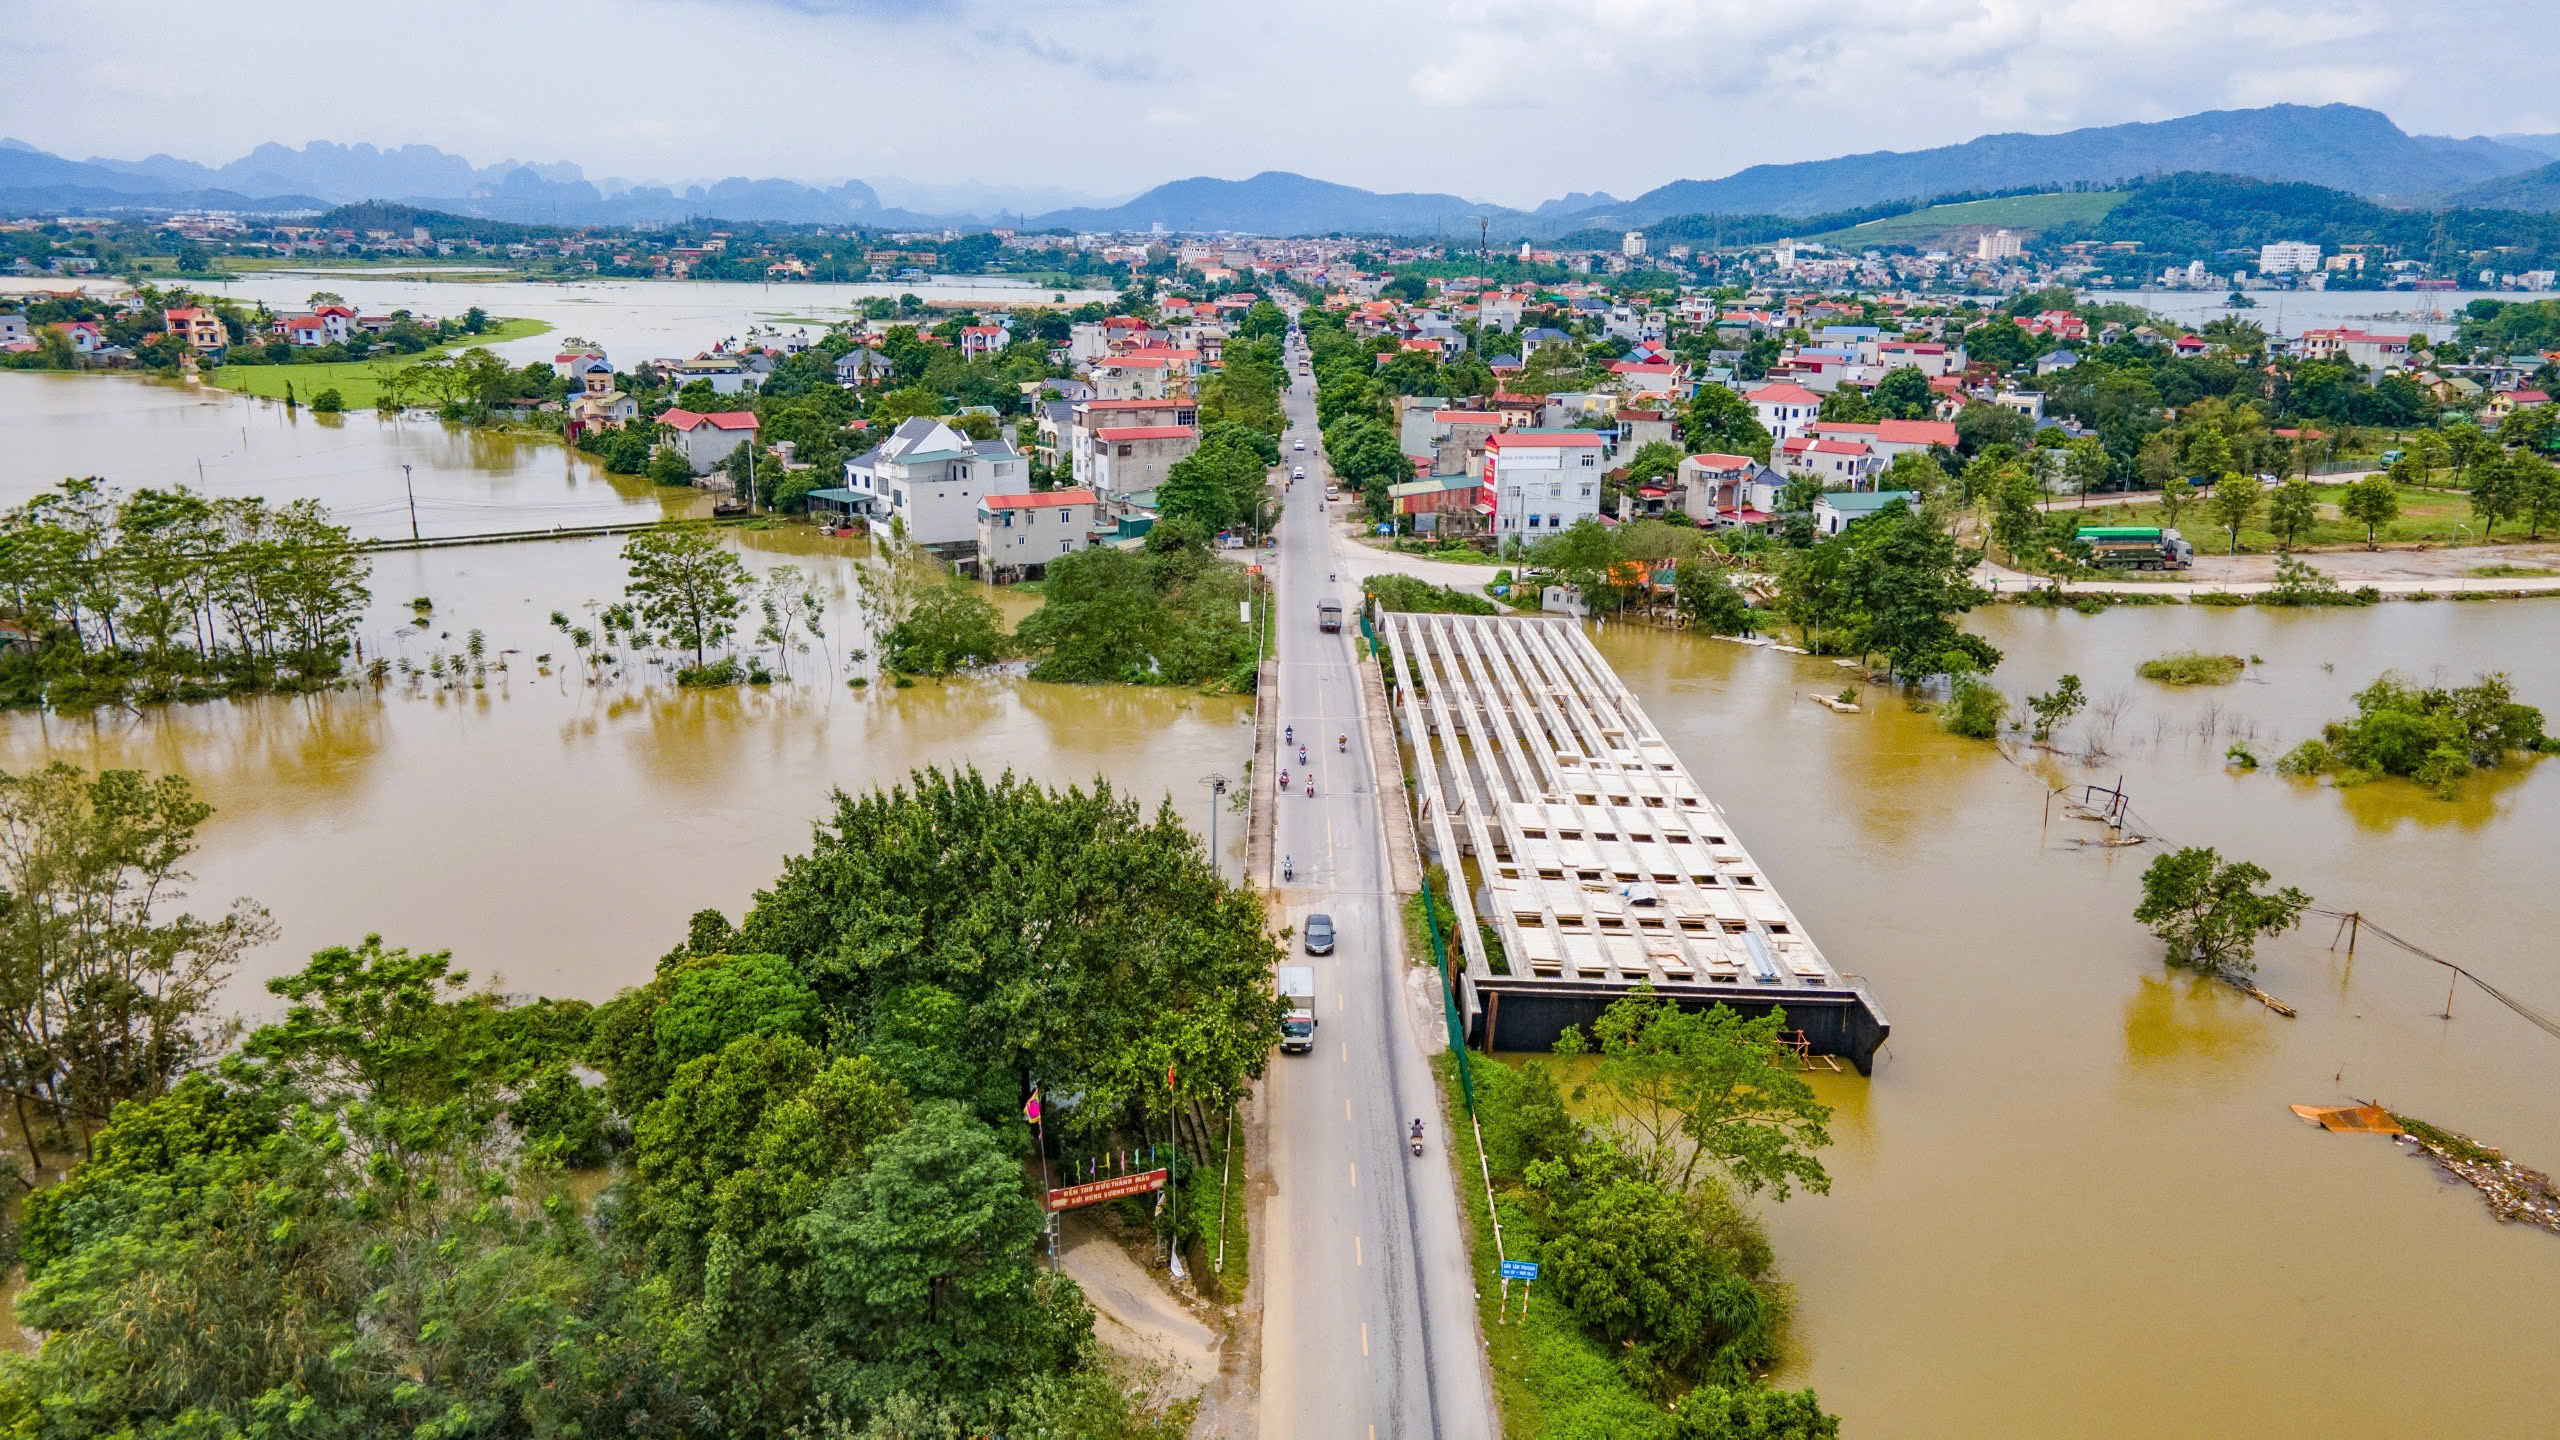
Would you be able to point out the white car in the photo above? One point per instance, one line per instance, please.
(1300, 445)
(1298, 472)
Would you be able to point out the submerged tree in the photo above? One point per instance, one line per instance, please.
(2211, 915)
(686, 585)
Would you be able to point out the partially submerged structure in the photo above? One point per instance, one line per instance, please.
(1586, 848)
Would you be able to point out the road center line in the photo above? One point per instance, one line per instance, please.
(1356, 1257)
(1355, 1175)
(1364, 1337)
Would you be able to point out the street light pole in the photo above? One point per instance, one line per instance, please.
(405, 484)
(1217, 792)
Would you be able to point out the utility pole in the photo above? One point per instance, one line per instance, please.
(413, 501)
(1217, 792)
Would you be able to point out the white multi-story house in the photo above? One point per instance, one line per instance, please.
(928, 478)
(1725, 491)
(1929, 358)
(1783, 409)
(2288, 257)
(725, 374)
(1091, 416)
(1537, 482)
(706, 440)
(1128, 462)
(1018, 535)
(1847, 463)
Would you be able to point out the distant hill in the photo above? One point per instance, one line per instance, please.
(2543, 144)
(1947, 225)
(1276, 202)
(2341, 147)
(2535, 190)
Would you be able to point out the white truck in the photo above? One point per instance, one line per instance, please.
(1298, 992)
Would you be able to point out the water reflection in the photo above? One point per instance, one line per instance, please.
(2192, 1031)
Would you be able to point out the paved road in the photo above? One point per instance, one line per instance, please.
(1369, 1325)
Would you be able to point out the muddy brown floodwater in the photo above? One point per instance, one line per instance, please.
(2071, 1200)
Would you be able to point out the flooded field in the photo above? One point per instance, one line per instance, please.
(2071, 1201)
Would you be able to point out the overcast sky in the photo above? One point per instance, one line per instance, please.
(1513, 101)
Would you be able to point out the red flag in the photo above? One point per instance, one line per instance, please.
(1031, 1108)
(1168, 1077)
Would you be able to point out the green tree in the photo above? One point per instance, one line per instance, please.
(2211, 915)
(106, 985)
(2235, 499)
(1693, 1088)
(1752, 1412)
(2056, 706)
(1981, 425)
(1654, 460)
(952, 625)
(686, 586)
(2537, 492)
(1718, 421)
(924, 1271)
(895, 407)
(1710, 601)
(1848, 405)
(2371, 502)
(1904, 394)
(669, 467)
(2292, 510)
(2498, 490)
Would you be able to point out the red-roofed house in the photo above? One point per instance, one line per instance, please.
(978, 340)
(1726, 491)
(1783, 409)
(1018, 535)
(199, 327)
(1844, 462)
(2374, 352)
(309, 331)
(1123, 464)
(706, 440)
(1537, 482)
(84, 335)
(1889, 438)
(1635, 377)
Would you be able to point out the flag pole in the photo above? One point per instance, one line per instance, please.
(1173, 1126)
(1040, 1127)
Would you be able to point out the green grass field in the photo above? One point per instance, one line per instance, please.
(2436, 516)
(358, 382)
(2014, 212)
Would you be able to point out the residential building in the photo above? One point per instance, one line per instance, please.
(1997, 245)
(2289, 257)
(1927, 357)
(1096, 415)
(1498, 312)
(305, 331)
(706, 440)
(1783, 409)
(862, 366)
(725, 374)
(2374, 352)
(1534, 340)
(1648, 378)
(598, 405)
(978, 341)
(1889, 438)
(200, 328)
(1631, 244)
(576, 358)
(1726, 491)
(1126, 463)
(1639, 428)
(1018, 535)
(1851, 464)
(13, 328)
(1537, 482)
(1836, 510)
(928, 479)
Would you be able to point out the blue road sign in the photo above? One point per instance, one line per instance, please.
(1387, 529)
(1519, 1269)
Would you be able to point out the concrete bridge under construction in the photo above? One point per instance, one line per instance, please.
(1575, 836)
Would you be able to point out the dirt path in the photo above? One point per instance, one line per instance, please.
(1134, 1315)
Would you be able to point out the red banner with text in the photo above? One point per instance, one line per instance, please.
(1118, 1187)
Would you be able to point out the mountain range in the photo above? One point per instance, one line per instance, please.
(2342, 147)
